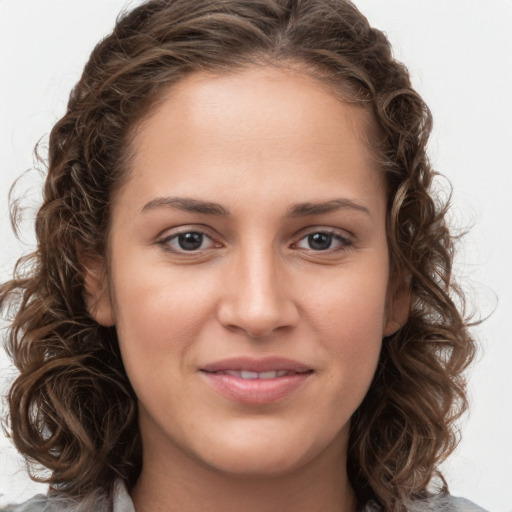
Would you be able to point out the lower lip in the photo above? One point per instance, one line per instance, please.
(256, 391)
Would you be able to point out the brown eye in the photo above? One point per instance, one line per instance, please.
(188, 242)
(323, 241)
(320, 241)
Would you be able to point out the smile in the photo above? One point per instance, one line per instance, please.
(248, 375)
(256, 382)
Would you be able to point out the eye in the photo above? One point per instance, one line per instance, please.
(323, 241)
(188, 241)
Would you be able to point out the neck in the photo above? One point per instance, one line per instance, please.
(175, 482)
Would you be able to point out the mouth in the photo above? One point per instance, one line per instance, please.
(254, 367)
(249, 375)
(256, 381)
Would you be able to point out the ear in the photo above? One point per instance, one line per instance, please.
(398, 305)
(96, 291)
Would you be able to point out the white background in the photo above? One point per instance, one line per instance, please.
(459, 53)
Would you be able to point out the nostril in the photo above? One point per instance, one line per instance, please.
(257, 323)
(257, 298)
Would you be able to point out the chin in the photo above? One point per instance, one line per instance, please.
(259, 465)
(263, 456)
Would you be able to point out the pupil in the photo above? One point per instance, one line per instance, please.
(320, 241)
(190, 241)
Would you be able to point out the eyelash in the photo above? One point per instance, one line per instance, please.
(166, 242)
(344, 242)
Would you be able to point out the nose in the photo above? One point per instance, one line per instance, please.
(258, 298)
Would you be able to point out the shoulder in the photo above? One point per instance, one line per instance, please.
(445, 503)
(56, 503)
(122, 503)
(96, 501)
(454, 504)
(467, 505)
(38, 503)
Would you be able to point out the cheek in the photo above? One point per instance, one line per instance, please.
(348, 317)
(158, 316)
(351, 303)
(354, 341)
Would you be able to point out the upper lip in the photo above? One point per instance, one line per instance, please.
(267, 364)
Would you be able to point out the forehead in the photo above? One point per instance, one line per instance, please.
(261, 90)
(251, 127)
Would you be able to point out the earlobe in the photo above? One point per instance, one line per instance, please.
(96, 292)
(398, 306)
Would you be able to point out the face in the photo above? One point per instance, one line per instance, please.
(249, 280)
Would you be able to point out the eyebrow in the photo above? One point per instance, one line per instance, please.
(188, 205)
(211, 208)
(307, 209)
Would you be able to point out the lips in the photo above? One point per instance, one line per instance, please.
(267, 364)
(256, 381)
(246, 374)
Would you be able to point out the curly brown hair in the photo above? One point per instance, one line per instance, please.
(72, 409)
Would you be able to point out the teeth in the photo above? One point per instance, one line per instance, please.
(249, 375)
(244, 374)
(268, 375)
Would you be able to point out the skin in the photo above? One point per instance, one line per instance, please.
(257, 143)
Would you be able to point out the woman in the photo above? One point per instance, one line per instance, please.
(241, 295)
